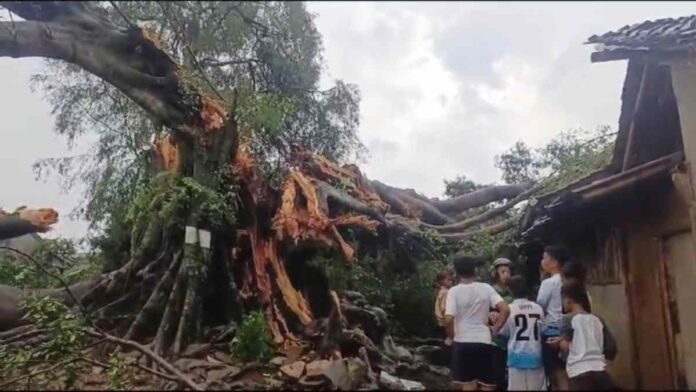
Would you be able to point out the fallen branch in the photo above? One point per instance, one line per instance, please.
(57, 277)
(485, 216)
(159, 360)
(24, 335)
(480, 197)
(34, 374)
(139, 366)
(492, 229)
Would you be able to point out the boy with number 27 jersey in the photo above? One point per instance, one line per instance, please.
(523, 329)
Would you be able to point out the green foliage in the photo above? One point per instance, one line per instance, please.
(169, 196)
(66, 339)
(10, 271)
(253, 340)
(60, 257)
(118, 379)
(460, 186)
(518, 164)
(408, 297)
(266, 113)
(113, 243)
(65, 328)
(568, 157)
(414, 300)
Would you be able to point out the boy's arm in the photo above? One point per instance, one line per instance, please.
(544, 296)
(503, 309)
(505, 330)
(440, 304)
(450, 312)
(567, 327)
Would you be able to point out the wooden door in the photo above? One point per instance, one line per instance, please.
(652, 330)
(678, 251)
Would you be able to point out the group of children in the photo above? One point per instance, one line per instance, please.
(496, 332)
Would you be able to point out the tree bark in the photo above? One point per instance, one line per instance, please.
(480, 197)
(485, 216)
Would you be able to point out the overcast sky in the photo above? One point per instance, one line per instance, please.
(445, 87)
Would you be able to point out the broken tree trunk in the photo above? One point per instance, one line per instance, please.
(25, 221)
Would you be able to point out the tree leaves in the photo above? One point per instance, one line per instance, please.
(571, 155)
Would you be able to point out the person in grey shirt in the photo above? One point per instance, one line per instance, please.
(549, 297)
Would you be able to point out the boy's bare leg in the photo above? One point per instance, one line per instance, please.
(465, 386)
(560, 380)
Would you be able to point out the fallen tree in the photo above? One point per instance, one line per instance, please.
(210, 237)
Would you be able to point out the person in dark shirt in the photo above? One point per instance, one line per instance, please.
(502, 269)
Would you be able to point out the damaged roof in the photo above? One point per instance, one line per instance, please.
(648, 144)
(661, 35)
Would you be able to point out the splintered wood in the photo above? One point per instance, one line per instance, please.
(212, 114)
(151, 35)
(347, 177)
(304, 215)
(265, 273)
(167, 156)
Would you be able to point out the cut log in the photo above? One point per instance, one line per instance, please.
(25, 221)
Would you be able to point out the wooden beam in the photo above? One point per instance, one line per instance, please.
(628, 178)
(651, 56)
(636, 109)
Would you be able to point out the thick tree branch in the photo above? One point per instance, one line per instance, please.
(492, 229)
(127, 59)
(13, 226)
(483, 217)
(214, 63)
(156, 358)
(480, 197)
(345, 200)
(410, 204)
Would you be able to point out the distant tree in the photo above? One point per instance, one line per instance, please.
(572, 153)
(460, 185)
(518, 164)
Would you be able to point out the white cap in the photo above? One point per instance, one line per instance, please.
(501, 261)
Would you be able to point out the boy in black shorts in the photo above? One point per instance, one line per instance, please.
(466, 318)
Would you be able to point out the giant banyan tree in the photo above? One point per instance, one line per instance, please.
(211, 238)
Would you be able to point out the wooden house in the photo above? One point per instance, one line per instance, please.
(633, 222)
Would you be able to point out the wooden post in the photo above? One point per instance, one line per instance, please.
(636, 110)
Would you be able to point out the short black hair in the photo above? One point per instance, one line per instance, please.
(518, 287)
(574, 270)
(465, 266)
(558, 252)
(575, 291)
(442, 275)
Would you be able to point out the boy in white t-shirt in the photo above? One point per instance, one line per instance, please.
(524, 348)
(466, 318)
(586, 363)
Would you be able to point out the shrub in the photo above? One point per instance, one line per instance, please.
(253, 340)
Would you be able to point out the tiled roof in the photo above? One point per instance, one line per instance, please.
(662, 34)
